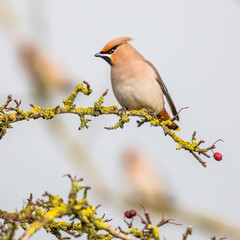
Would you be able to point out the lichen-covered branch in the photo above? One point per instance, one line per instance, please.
(82, 217)
(16, 115)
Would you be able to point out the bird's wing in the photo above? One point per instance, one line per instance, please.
(164, 89)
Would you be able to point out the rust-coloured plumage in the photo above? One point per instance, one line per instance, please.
(165, 116)
(115, 42)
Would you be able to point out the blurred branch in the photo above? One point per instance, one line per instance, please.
(188, 232)
(46, 75)
(149, 189)
(69, 107)
(48, 78)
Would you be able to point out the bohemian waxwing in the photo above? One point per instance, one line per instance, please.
(135, 81)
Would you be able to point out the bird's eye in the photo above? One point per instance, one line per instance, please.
(112, 51)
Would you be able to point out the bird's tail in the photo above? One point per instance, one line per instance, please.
(165, 116)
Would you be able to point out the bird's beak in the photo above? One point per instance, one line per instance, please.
(98, 55)
(105, 56)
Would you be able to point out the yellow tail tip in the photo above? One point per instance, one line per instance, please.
(178, 129)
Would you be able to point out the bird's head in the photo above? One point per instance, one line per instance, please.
(117, 50)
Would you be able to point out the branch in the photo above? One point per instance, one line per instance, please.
(80, 218)
(188, 232)
(6, 119)
(42, 214)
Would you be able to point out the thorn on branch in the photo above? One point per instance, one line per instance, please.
(105, 93)
(129, 224)
(69, 176)
(120, 229)
(146, 215)
(108, 220)
(73, 179)
(200, 142)
(176, 117)
(194, 136)
(98, 104)
(88, 87)
(205, 154)
(109, 128)
(140, 122)
(165, 221)
(98, 206)
(68, 103)
(46, 194)
(30, 200)
(9, 98)
(40, 202)
(17, 103)
(86, 188)
(198, 158)
(4, 106)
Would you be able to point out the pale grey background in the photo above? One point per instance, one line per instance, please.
(196, 47)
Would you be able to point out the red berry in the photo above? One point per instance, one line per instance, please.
(217, 156)
(127, 214)
(133, 213)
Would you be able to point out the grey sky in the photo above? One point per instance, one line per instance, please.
(195, 45)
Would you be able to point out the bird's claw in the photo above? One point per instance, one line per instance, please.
(122, 111)
(151, 112)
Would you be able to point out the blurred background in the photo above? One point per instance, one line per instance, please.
(47, 47)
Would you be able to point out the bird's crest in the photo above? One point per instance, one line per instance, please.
(115, 42)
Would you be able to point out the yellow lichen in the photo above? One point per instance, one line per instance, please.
(37, 112)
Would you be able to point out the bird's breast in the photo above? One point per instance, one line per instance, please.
(135, 90)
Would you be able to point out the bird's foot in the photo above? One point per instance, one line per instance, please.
(151, 112)
(122, 111)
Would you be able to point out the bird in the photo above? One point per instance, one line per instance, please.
(136, 82)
